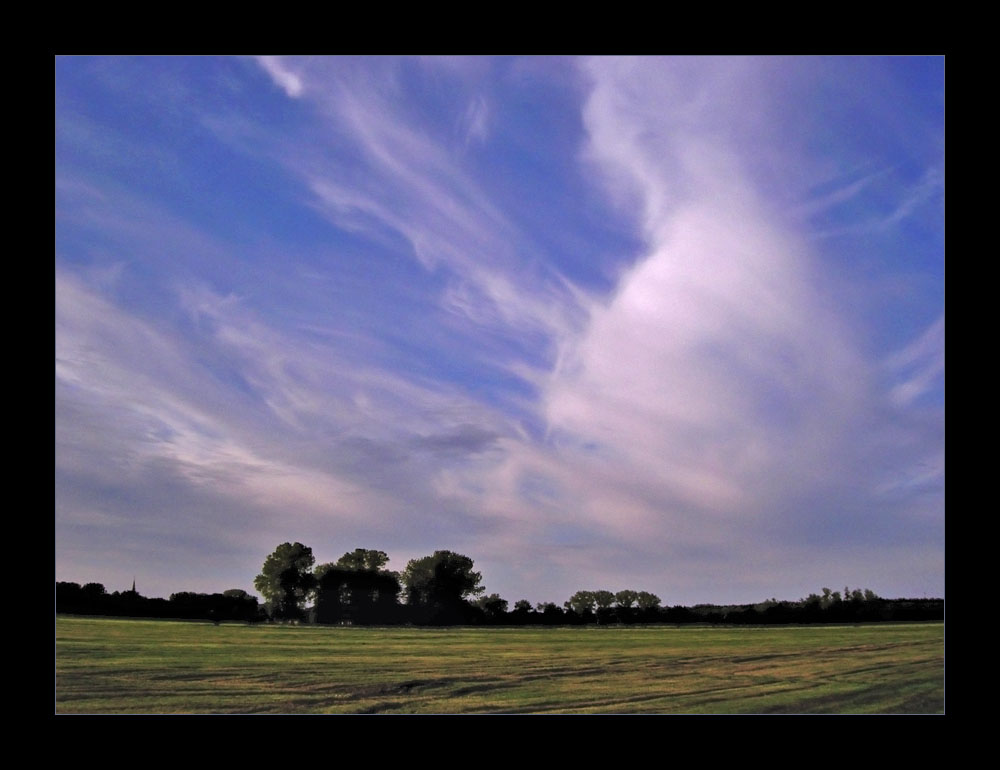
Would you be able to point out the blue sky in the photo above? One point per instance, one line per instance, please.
(669, 324)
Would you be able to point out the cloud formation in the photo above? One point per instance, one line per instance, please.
(285, 79)
(596, 323)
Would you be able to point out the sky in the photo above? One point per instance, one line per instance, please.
(667, 324)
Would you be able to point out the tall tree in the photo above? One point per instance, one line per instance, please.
(440, 585)
(356, 590)
(625, 599)
(332, 593)
(361, 558)
(604, 600)
(286, 580)
(582, 602)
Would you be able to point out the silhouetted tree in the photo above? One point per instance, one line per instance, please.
(438, 586)
(623, 606)
(812, 607)
(375, 596)
(238, 604)
(362, 596)
(604, 600)
(550, 614)
(522, 612)
(582, 603)
(286, 580)
(69, 597)
(94, 591)
(234, 604)
(332, 596)
(494, 608)
(362, 559)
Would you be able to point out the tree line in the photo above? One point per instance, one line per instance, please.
(445, 589)
(95, 599)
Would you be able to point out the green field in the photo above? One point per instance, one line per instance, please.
(156, 667)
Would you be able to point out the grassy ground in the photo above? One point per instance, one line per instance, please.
(154, 667)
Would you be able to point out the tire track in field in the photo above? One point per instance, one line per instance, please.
(768, 682)
(606, 703)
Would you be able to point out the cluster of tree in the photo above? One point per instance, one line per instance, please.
(357, 589)
(94, 599)
(233, 604)
(605, 607)
(857, 606)
(444, 589)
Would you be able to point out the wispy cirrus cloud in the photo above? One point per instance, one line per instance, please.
(284, 78)
(285, 431)
(574, 318)
(475, 121)
(921, 364)
(409, 178)
(712, 399)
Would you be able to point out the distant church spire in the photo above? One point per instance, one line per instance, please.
(133, 584)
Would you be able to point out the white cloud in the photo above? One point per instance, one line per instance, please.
(841, 194)
(714, 408)
(706, 424)
(921, 363)
(407, 178)
(716, 396)
(338, 440)
(715, 337)
(475, 122)
(283, 77)
(930, 184)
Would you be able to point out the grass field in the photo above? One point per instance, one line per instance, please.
(156, 667)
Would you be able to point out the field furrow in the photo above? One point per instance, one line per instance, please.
(151, 667)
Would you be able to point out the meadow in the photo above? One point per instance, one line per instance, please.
(112, 666)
